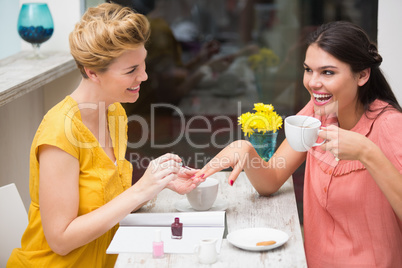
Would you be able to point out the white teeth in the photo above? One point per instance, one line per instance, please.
(134, 88)
(321, 95)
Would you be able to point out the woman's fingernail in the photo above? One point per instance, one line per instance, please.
(202, 176)
(231, 182)
(192, 176)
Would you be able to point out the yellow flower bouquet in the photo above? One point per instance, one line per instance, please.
(261, 128)
(263, 120)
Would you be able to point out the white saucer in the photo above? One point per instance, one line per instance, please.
(248, 238)
(184, 206)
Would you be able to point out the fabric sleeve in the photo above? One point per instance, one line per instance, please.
(61, 133)
(390, 138)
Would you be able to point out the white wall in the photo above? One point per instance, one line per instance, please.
(390, 42)
(19, 121)
(10, 41)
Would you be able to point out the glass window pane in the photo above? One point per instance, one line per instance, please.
(210, 61)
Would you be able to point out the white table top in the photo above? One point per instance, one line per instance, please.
(246, 209)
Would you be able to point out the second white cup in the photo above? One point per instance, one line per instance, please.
(302, 132)
(204, 196)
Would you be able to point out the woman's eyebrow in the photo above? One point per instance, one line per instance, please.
(323, 67)
(131, 67)
(136, 66)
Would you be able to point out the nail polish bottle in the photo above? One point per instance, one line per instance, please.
(157, 246)
(177, 229)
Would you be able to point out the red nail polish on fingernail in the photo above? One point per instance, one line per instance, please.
(231, 182)
(202, 176)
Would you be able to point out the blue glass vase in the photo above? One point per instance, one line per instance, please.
(35, 25)
(264, 143)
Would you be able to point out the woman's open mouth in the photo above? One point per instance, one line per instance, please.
(134, 89)
(321, 99)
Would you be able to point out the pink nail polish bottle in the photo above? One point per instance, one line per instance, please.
(157, 246)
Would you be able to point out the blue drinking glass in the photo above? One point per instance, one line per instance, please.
(35, 25)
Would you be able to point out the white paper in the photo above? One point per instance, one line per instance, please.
(137, 231)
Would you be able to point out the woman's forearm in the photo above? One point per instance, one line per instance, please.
(385, 174)
(88, 227)
(268, 177)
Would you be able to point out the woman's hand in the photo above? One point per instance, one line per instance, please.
(343, 144)
(160, 172)
(235, 155)
(185, 181)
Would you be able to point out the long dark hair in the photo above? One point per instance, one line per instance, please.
(350, 44)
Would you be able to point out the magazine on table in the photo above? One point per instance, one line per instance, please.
(137, 231)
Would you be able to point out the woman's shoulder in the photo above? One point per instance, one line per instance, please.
(58, 129)
(386, 115)
(58, 113)
(388, 128)
(62, 119)
(390, 120)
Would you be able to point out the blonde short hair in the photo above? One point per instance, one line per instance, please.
(104, 33)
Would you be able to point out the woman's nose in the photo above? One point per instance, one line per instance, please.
(315, 82)
(143, 76)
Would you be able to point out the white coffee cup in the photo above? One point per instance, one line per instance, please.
(302, 132)
(206, 251)
(204, 196)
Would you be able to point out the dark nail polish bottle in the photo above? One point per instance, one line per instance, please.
(177, 229)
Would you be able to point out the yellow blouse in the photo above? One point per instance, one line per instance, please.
(100, 181)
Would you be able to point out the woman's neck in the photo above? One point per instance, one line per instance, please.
(92, 105)
(94, 113)
(347, 119)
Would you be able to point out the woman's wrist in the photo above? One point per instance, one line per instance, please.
(368, 152)
(138, 196)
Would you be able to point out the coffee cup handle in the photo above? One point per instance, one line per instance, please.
(321, 143)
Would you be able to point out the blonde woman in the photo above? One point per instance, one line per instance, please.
(80, 182)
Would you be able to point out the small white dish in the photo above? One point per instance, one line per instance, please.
(184, 206)
(248, 238)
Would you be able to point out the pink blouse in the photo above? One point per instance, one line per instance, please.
(348, 222)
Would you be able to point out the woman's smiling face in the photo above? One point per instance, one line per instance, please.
(331, 83)
(121, 82)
